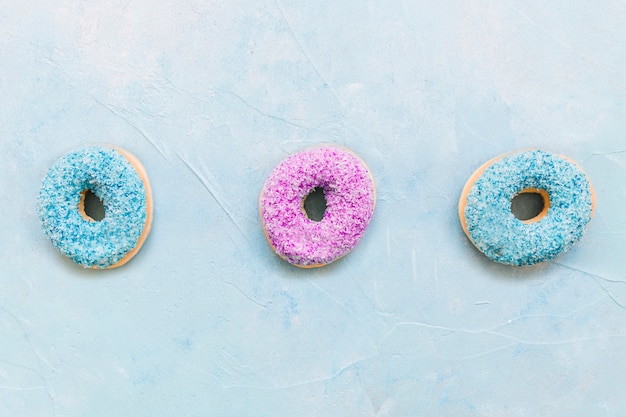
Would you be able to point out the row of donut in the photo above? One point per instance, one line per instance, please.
(120, 181)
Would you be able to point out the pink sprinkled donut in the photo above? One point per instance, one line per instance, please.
(350, 199)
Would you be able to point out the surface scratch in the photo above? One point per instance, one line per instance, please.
(246, 295)
(41, 360)
(306, 55)
(9, 388)
(51, 62)
(339, 303)
(559, 42)
(499, 334)
(591, 274)
(131, 124)
(209, 187)
(330, 377)
(594, 154)
(259, 111)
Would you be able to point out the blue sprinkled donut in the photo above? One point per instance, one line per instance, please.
(120, 181)
(485, 207)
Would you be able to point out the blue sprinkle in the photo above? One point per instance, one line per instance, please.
(108, 175)
(497, 233)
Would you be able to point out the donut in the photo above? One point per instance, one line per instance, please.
(350, 194)
(120, 181)
(485, 207)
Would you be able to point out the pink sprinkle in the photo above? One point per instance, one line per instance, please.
(350, 200)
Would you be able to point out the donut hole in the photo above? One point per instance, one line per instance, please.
(314, 204)
(530, 205)
(91, 207)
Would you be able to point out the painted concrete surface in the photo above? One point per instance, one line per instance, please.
(211, 95)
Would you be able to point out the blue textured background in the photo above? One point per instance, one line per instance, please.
(211, 95)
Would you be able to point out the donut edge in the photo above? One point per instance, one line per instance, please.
(143, 174)
(329, 145)
(468, 186)
(481, 169)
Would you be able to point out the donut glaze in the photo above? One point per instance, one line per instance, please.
(120, 181)
(485, 207)
(350, 200)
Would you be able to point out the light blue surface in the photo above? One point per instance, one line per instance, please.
(206, 320)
